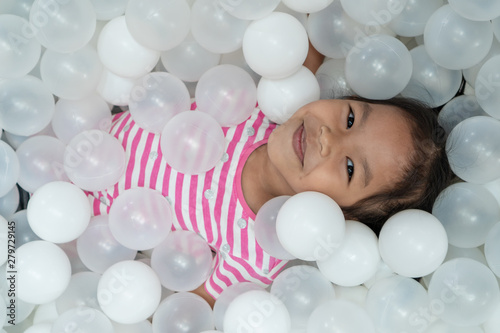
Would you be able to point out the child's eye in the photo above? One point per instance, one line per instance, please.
(350, 168)
(350, 119)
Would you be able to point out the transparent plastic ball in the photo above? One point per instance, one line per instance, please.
(455, 42)
(62, 26)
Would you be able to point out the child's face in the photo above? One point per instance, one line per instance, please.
(346, 149)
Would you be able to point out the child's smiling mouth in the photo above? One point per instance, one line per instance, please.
(299, 143)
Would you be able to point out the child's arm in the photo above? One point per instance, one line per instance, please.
(200, 291)
(314, 59)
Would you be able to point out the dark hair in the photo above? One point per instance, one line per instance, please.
(426, 174)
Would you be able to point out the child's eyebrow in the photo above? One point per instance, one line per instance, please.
(367, 171)
(366, 112)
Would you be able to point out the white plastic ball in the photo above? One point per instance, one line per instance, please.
(411, 22)
(9, 168)
(307, 7)
(43, 272)
(468, 212)
(98, 249)
(183, 312)
(189, 60)
(280, 98)
(81, 291)
(215, 28)
(482, 10)
(9, 202)
(455, 42)
(249, 9)
(27, 105)
(44, 314)
(265, 228)
(310, 226)
(332, 32)
(71, 75)
(122, 54)
(467, 290)
(439, 326)
(302, 289)
(71, 251)
(380, 68)
(227, 93)
(471, 73)
(41, 162)
(486, 86)
(94, 160)
(108, 10)
(496, 27)
(492, 249)
(73, 117)
(331, 79)
(275, 46)
(357, 258)
(16, 7)
(4, 241)
(459, 108)
(493, 322)
(62, 26)
(158, 25)
(393, 302)
(183, 261)
(18, 54)
(472, 150)
(413, 243)
(192, 142)
(237, 58)
(302, 17)
(129, 292)
(39, 328)
(58, 212)
(430, 82)
(356, 294)
(140, 327)
(115, 89)
(83, 319)
(259, 311)
(24, 234)
(373, 12)
(226, 298)
(156, 98)
(140, 218)
(340, 316)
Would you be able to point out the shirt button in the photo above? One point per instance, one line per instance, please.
(265, 271)
(209, 194)
(250, 131)
(153, 155)
(226, 248)
(225, 157)
(126, 128)
(242, 223)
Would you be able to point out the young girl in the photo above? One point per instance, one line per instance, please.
(373, 158)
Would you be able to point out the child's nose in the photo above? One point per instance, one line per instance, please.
(325, 141)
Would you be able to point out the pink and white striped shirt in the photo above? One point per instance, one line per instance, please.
(210, 204)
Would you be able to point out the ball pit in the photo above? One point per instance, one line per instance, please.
(65, 64)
